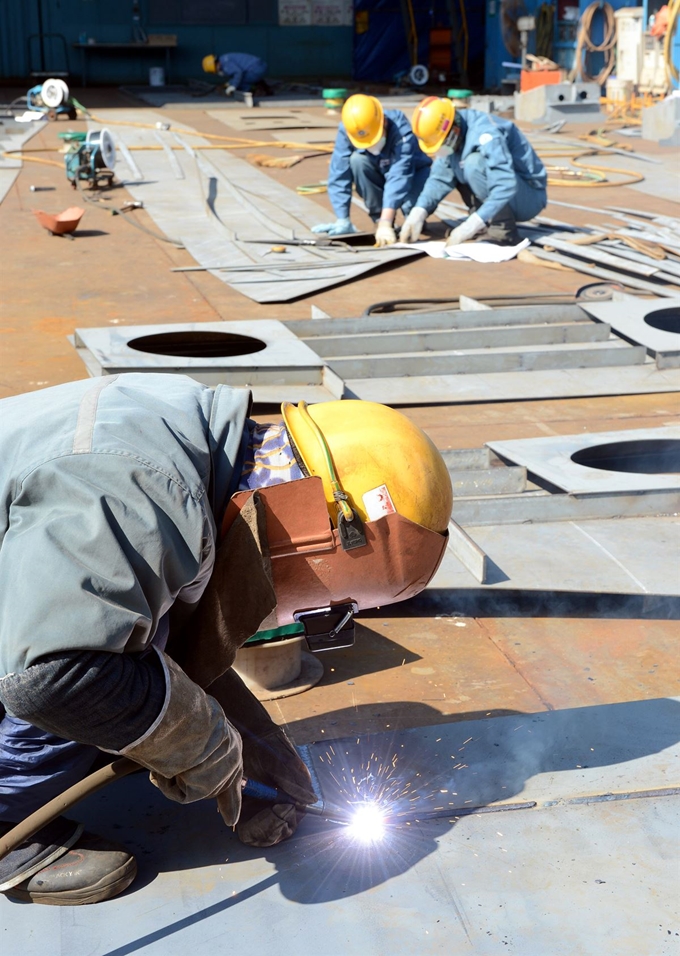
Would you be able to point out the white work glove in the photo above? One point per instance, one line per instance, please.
(413, 225)
(467, 230)
(385, 234)
(338, 228)
(230, 90)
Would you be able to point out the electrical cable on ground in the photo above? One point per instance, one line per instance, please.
(114, 210)
(560, 173)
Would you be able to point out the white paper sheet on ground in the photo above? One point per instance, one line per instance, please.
(478, 251)
(31, 116)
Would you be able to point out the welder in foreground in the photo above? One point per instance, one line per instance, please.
(376, 151)
(148, 528)
(488, 160)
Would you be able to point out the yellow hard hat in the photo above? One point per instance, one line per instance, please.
(432, 121)
(363, 119)
(209, 63)
(373, 459)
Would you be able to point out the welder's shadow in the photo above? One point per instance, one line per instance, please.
(521, 758)
(452, 764)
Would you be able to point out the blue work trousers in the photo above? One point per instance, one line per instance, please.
(251, 77)
(36, 766)
(369, 180)
(525, 204)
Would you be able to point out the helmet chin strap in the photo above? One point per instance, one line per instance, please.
(350, 525)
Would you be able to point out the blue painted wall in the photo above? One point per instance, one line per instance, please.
(289, 51)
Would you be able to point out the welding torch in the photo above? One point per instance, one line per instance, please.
(121, 768)
(261, 791)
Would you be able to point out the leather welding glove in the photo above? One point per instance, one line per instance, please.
(268, 757)
(274, 761)
(338, 228)
(467, 230)
(413, 225)
(192, 750)
(385, 234)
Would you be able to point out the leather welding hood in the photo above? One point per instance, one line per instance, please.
(320, 583)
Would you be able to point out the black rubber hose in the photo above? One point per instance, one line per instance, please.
(395, 305)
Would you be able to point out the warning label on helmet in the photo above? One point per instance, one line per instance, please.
(378, 503)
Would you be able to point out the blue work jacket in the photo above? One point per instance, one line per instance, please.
(235, 65)
(509, 156)
(400, 158)
(109, 493)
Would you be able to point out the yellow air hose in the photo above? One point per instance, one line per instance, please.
(671, 69)
(585, 43)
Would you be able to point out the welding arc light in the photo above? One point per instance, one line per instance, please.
(368, 824)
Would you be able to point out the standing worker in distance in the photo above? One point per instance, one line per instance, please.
(242, 70)
(491, 164)
(375, 150)
(136, 513)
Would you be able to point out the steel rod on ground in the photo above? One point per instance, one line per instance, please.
(601, 273)
(606, 258)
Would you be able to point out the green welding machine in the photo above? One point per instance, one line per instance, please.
(90, 158)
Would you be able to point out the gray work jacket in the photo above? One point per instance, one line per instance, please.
(109, 489)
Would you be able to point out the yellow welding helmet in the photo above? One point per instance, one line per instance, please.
(372, 458)
(363, 119)
(432, 122)
(209, 63)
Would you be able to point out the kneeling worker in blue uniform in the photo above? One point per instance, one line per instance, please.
(491, 164)
(377, 152)
(241, 70)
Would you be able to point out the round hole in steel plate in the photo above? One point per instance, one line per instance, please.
(198, 343)
(665, 320)
(648, 456)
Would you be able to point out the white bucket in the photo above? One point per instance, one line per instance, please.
(619, 91)
(271, 664)
(156, 76)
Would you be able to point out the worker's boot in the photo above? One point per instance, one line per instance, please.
(502, 229)
(64, 866)
(468, 197)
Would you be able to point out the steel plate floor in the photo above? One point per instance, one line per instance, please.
(583, 865)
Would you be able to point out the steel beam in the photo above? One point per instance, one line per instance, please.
(518, 358)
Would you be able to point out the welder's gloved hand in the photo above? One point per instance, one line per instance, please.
(413, 225)
(230, 90)
(385, 234)
(273, 760)
(467, 230)
(340, 227)
(193, 752)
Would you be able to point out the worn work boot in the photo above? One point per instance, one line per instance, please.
(63, 866)
(502, 229)
(468, 197)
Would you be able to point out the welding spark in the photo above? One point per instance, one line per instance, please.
(368, 824)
